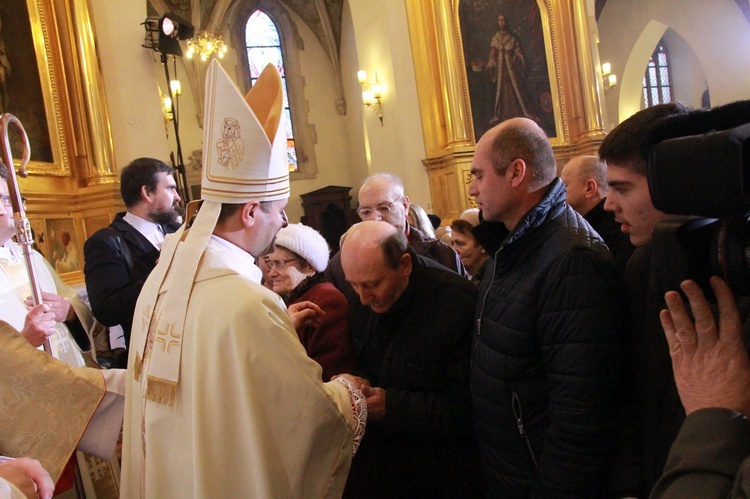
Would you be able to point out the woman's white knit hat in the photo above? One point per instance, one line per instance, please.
(307, 243)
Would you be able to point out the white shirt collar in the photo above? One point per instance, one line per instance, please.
(242, 262)
(150, 230)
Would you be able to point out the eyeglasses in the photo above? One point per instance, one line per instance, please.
(6, 200)
(382, 209)
(279, 264)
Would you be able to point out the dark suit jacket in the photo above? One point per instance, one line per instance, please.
(118, 261)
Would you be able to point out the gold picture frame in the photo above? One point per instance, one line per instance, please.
(34, 56)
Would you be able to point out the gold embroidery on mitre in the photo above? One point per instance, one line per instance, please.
(230, 145)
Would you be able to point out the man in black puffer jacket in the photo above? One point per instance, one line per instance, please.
(547, 353)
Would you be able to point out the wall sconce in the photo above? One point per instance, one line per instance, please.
(610, 79)
(167, 109)
(372, 93)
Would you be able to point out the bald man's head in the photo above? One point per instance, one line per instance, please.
(376, 262)
(585, 179)
(513, 166)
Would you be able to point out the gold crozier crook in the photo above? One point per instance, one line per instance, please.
(23, 227)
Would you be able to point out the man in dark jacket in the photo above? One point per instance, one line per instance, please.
(585, 179)
(547, 353)
(120, 257)
(653, 412)
(412, 340)
(382, 197)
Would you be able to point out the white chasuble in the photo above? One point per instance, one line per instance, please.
(250, 416)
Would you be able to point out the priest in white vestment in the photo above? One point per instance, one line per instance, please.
(46, 419)
(66, 309)
(222, 400)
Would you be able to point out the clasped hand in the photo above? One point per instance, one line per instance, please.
(374, 396)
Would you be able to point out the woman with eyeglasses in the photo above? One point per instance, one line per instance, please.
(294, 270)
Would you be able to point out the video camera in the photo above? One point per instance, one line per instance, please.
(699, 167)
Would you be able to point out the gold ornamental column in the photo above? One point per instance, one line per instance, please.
(72, 190)
(573, 102)
(100, 167)
(453, 77)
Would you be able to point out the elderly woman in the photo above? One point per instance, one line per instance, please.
(295, 271)
(473, 256)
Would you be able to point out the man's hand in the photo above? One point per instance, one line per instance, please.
(360, 383)
(711, 365)
(304, 313)
(61, 307)
(29, 476)
(38, 325)
(375, 403)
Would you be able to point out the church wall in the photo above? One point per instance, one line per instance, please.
(350, 147)
(356, 147)
(382, 43)
(689, 81)
(129, 81)
(717, 33)
(333, 130)
(132, 76)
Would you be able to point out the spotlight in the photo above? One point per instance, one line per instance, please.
(163, 34)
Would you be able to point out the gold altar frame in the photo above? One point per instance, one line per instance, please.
(445, 108)
(72, 93)
(551, 57)
(49, 62)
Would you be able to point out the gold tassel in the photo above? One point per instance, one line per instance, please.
(161, 391)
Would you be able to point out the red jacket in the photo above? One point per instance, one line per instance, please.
(330, 343)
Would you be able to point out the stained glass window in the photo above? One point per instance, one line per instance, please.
(657, 83)
(263, 47)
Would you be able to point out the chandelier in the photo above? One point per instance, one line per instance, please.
(206, 44)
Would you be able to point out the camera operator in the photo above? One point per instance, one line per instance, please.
(652, 412)
(709, 458)
(676, 178)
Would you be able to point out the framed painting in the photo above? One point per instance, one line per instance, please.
(506, 63)
(62, 245)
(32, 82)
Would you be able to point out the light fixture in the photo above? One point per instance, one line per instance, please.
(372, 93)
(163, 35)
(167, 109)
(205, 45)
(610, 79)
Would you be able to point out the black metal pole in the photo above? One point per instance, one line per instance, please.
(180, 167)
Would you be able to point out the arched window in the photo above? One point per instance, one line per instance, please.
(657, 82)
(269, 34)
(263, 46)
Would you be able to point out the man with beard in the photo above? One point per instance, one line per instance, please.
(120, 257)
